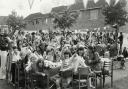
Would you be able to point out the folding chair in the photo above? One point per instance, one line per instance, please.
(82, 82)
(107, 71)
(34, 81)
(51, 77)
(98, 75)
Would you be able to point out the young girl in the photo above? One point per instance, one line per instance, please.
(15, 58)
(66, 69)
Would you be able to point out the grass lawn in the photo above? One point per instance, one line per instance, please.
(119, 84)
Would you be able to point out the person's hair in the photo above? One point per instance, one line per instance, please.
(90, 48)
(14, 47)
(33, 33)
(67, 52)
(37, 64)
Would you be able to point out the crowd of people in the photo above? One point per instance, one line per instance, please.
(66, 51)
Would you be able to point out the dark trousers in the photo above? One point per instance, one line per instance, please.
(121, 43)
(13, 72)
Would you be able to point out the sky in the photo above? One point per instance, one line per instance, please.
(23, 9)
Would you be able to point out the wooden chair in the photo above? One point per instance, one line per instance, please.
(98, 76)
(34, 80)
(107, 71)
(64, 75)
(50, 80)
(82, 83)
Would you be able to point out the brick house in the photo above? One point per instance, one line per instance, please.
(90, 17)
(36, 21)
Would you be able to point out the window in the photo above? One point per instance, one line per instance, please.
(43, 21)
(37, 21)
(93, 14)
(46, 21)
(52, 20)
(80, 14)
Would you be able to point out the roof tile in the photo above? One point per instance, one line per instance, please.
(59, 9)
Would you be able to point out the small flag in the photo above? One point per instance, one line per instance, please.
(96, 1)
(85, 3)
(46, 20)
(31, 3)
(116, 1)
(108, 1)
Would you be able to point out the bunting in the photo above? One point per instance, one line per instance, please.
(31, 3)
(116, 1)
(96, 1)
(85, 3)
(108, 1)
(58, 2)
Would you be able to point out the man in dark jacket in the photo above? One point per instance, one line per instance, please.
(121, 40)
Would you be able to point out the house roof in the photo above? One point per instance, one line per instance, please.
(3, 20)
(77, 6)
(59, 9)
(35, 16)
(73, 7)
(91, 4)
(80, 6)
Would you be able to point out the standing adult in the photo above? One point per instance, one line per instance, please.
(4, 46)
(121, 40)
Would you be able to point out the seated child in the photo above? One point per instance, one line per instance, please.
(66, 69)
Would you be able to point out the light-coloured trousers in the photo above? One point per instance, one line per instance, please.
(3, 55)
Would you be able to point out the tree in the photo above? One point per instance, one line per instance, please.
(116, 15)
(15, 22)
(65, 20)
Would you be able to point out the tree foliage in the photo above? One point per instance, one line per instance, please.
(15, 22)
(65, 20)
(116, 14)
